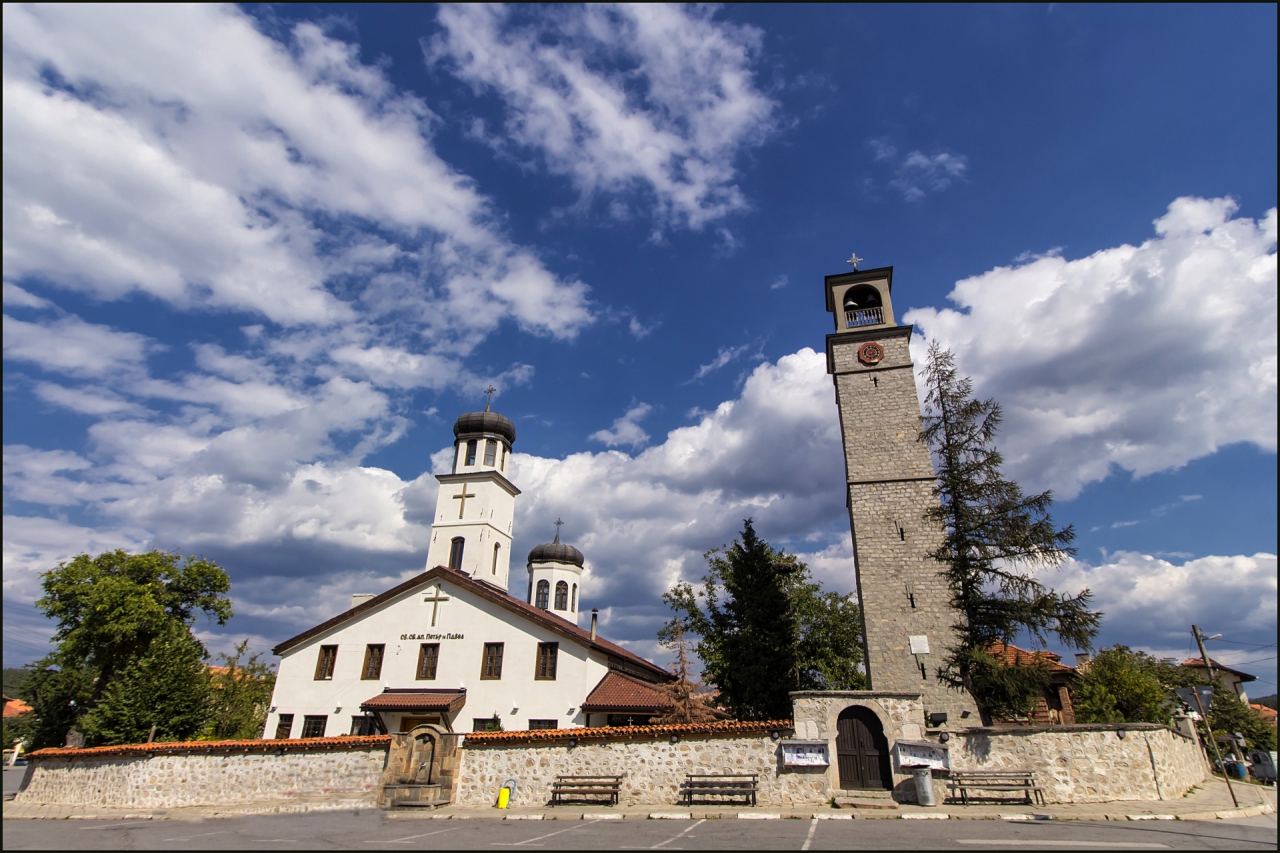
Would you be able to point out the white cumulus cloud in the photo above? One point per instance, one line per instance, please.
(659, 98)
(183, 153)
(626, 429)
(1139, 358)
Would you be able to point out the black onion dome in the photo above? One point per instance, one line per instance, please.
(556, 552)
(485, 423)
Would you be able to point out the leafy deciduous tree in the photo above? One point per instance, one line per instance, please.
(125, 618)
(109, 608)
(239, 696)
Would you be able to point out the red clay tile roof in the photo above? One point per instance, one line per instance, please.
(197, 746)
(545, 618)
(727, 728)
(618, 692)
(1267, 714)
(14, 707)
(393, 699)
(1199, 662)
(1011, 655)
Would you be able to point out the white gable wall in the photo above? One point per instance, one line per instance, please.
(477, 621)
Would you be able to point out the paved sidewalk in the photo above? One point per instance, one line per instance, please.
(1209, 801)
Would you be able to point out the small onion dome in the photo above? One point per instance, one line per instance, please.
(556, 552)
(485, 423)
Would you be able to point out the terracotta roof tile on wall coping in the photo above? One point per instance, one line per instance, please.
(200, 746)
(606, 733)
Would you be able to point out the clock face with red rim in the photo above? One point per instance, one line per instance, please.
(870, 353)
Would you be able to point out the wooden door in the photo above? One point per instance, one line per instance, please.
(407, 724)
(862, 753)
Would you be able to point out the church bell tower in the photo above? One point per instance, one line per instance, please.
(906, 611)
(471, 532)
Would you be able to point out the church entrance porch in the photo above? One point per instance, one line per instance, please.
(860, 728)
(862, 752)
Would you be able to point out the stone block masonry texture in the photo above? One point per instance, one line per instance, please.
(890, 481)
(202, 779)
(1074, 764)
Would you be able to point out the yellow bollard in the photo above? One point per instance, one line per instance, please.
(504, 797)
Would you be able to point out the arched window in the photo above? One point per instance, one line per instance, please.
(504, 456)
(544, 592)
(562, 596)
(455, 553)
(495, 558)
(573, 602)
(490, 448)
(471, 452)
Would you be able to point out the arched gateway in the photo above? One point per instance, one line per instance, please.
(862, 751)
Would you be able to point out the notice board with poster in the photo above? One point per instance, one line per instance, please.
(917, 753)
(805, 753)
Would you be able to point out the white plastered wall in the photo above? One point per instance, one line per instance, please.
(465, 623)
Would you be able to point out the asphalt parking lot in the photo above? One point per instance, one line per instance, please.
(368, 830)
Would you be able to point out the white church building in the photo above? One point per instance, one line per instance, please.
(452, 646)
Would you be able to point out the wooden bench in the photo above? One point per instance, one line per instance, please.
(731, 785)
(1019, 781)
(569, 789)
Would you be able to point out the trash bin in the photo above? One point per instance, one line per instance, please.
(924, 786)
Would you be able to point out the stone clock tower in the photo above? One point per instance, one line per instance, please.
(905, 602)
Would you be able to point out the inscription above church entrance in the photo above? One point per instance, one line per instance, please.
(862, 752)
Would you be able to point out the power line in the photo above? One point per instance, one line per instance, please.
(1256, 660)
(1243, 643)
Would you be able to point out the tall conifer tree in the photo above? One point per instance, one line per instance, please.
(996, 539)
(765, 628)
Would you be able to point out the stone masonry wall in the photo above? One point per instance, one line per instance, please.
(652, 770)
(172, 781)
(1089, 764)
(890, 482)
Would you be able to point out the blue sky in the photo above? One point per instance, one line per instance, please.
(258, 259)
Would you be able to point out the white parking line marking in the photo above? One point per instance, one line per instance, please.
(115, 825)
(201, 835)
(529, 842)
(678, 837)
(1022, 842)
(409, 838)
(808, 839)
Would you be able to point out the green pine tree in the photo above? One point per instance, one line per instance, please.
(166, 687)
(995, 540)
(765, 628)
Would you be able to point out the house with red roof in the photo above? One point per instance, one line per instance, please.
(1232, 678)
(14, 707)
(1054, 705)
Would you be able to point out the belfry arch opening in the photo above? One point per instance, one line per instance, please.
(863, 307)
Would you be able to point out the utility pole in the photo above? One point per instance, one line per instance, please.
(1204, 656)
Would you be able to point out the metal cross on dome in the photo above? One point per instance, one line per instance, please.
(558, 523)
(854, 260)
(490, 391)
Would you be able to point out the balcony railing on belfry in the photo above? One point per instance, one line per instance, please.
(863, 317)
